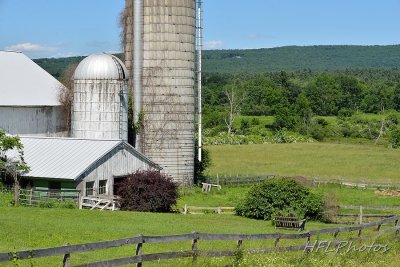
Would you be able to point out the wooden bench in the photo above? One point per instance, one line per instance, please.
(289, 223)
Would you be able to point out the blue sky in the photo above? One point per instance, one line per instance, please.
(59, 28)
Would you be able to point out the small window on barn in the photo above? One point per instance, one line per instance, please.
(102, 187)
(89, 188)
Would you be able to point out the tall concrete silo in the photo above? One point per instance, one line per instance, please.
(100, 106)
(160, 57)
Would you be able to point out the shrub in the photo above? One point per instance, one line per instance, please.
(148, 191)
(345, 113)
(279, 194)
(394, 137)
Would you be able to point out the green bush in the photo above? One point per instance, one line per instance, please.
(394, 138)
(277, 195)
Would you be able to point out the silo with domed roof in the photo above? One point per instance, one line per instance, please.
(100, 105)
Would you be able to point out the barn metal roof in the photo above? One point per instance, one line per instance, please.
(68, 158)
(24, 83)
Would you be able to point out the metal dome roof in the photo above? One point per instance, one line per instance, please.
(101, 66)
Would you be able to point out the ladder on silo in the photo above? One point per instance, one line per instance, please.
(121, 76)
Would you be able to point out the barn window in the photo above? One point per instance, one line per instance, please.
(89, 188)
(102, 187)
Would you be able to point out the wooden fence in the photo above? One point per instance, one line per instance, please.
(202, 210)
(361, 215)
(139, 241)
(360, 184)
(99, 202)
(37, 197)
(238, 179)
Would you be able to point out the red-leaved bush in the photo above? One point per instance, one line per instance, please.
(148, 191)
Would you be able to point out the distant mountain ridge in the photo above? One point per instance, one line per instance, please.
(288, 58)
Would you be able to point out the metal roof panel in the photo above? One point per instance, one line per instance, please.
(24, 83)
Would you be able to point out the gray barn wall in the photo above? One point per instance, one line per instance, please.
(168, 136)
(118, 162)
(33, 121)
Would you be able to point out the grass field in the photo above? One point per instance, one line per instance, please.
(325, 160)
(27, 228)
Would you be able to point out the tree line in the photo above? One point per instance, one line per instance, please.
(294, 98)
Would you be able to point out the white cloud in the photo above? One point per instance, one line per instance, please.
(29, 47)
(215, 44)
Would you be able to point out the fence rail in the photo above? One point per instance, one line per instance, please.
(34, 197)
(201, 210)
(194, 237)
(241, 179)
(361, 184)
(238, 179)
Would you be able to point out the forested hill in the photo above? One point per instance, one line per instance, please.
(289, 58)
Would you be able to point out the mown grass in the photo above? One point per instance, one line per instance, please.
(231, 196)
(227, 197)
(325, 160)
(28, 228)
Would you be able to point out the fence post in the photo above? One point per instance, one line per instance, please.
(217, 179)
(80, 200)
(30, 196)
(16, 194)
(335, 234)
(194, 245)
(276, 242)
(185, 211)
(239, 244)
(139, 251)
(67, 259)
(361, 214)
(395, 224)
(308, 241)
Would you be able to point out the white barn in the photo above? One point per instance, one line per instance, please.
(92, 166)
(28, 98)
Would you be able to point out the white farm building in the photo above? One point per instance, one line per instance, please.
(28, 98)
(98, 156)
(95, 167)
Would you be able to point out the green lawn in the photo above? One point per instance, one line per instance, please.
(325, 160)
(28, 228)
